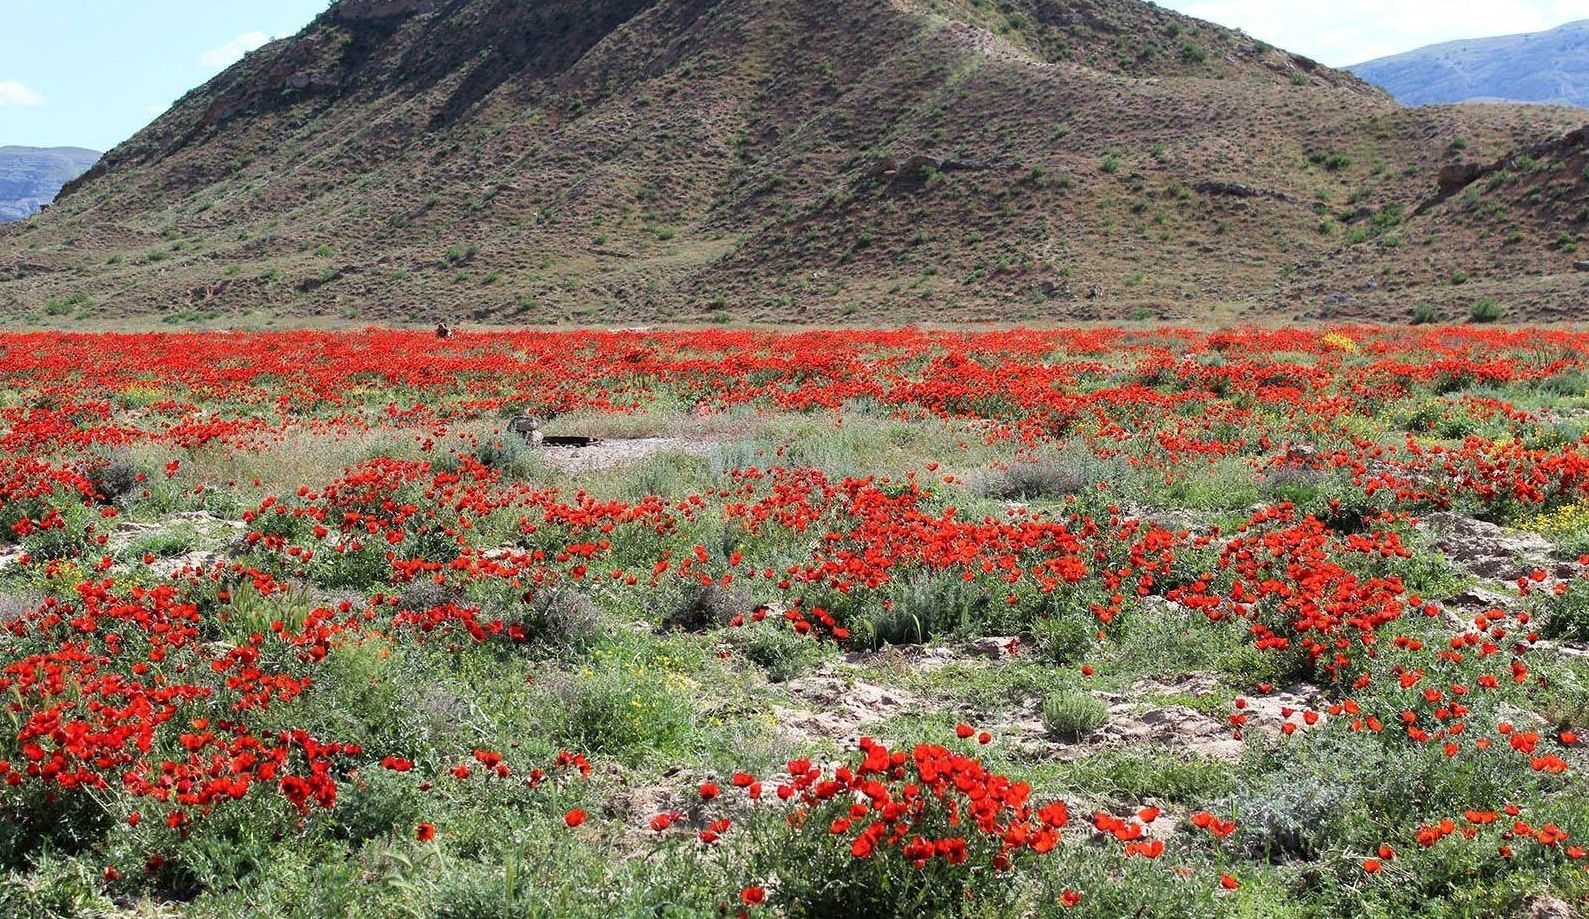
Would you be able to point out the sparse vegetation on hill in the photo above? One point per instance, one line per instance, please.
(834, 160)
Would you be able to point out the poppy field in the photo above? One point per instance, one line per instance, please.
(1085, 622)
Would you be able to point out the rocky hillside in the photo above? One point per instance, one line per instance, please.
(621, 161)
(1545, 67)
(31, 177)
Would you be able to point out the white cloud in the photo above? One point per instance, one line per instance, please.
(224, 56)
(1344, 32)
(14, 93)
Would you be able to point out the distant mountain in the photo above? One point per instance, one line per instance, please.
(32, 176)
(1545, 67)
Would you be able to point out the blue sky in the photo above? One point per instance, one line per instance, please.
(89, 73)
(1345, 32)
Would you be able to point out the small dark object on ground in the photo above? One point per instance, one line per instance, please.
(530, 429)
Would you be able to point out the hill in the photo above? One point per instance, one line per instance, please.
(624, 161)
(32, 176)
(1544, 67)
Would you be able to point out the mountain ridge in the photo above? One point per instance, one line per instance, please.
(772, 161)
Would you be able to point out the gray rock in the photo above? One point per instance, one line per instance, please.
(837, 708)
(996, 648)
(1546, 907)
(1174, 726)
(1491, 552)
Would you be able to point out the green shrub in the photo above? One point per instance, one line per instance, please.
(1486, 311)
(66, 306)
(510, 455)
(56, 888)
(114, 476)
(631, 710)
(1070, 472)
(704, 607)
(1064, 638)
(169, 544)
(1073, 714)
(376, 804)
(776, 649)
(924, 607)
(561, 619)
(1567, 615)
(1567, 384)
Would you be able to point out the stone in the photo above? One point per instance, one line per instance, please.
(1226, 189)
(838, 708)
(1457, 176)
(1564, 649)
(1176, 727)
(1492, 552)
(526, 427)
(918, 167)
(610, 454)
(1546, 907)
(1266, 714)
(996, 648)
(191, 562)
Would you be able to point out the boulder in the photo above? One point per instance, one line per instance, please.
(1546, 907)
(918, 167)
(1226, 189)
(1457, 176)
(1492, 552)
